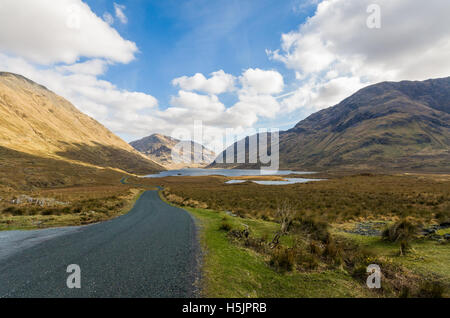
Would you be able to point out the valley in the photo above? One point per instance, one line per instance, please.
(378, 192)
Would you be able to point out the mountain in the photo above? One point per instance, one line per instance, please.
(391, 125)
(36, 123)
(159, 149)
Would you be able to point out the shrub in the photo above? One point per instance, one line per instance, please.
(431, 289)
(225, 226)
(403, 231)
(315, 248)
(48, 212)
(333, 251)
(14, 211)
(282, 259)
(257, 244)
(307, 261)
(443, 216)
(359, 272)
(317, 229)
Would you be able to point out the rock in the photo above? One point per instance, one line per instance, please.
(428, 231)
(436, 237)
(368, 228)
(230, 213)
(447, 236)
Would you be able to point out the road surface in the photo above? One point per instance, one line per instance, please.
(150, 252)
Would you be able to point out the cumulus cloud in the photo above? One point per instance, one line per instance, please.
(90, 67)
(334, 52)
(195, 106)
(119, 9)
(80, 85)
(69, 48)
(136, 114)
(255, 98)
(48, 32)
(257, 81)
(108, 18)
(218, 83)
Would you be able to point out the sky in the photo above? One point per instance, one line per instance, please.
(142, 67)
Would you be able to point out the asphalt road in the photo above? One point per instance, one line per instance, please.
(150, 252)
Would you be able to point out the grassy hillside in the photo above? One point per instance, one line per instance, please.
(35, 121)
(404, 126)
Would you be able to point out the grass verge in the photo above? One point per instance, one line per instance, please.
(230, 270)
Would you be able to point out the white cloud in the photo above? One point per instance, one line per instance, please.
(120, 14)
(250, 108)
(219, 82)
(190, 106)
(312, 96)
(49, 31)
(137, 114)
(255, 98)
(98, 98)
(53, 61)
(334, 53)
(90, 67)
(257, 81)
(108, 18)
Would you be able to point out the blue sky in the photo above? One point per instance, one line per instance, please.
(142, 67)
(178, 38)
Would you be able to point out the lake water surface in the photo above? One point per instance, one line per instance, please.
(224, 172)
(275, 182)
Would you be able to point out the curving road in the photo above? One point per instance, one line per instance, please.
(150, 252)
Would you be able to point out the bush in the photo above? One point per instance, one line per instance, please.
(404, 232)
(443, 216)
(433, 289)
(48, 212)
(257, 244)
(359, 272)
(225, 226)
(333, 252)
(317, 229)
(282, 259)
(307, 261)
(14, 211)
(315, 248)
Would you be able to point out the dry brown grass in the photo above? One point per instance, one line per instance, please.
(82, 205)
(36, 121)
(338, 199)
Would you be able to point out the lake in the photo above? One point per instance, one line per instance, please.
(275, 182)
(223, 172)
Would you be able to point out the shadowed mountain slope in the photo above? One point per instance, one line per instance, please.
(390, 125)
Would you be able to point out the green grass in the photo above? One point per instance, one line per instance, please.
(233, 271)
(443, 231)
(427, 258)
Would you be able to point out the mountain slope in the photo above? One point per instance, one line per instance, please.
(159, 148)
(35, 121)
(403, 125)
